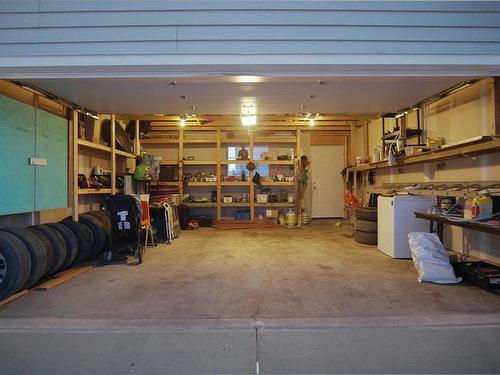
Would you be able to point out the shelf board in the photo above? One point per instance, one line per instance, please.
(169, 162)
(93, 191)
(478, 148)
(170, 183)
(282, 204)
(235, 204)
(234, 161)
(94, 146)
(125, 154)
(235, 140)
(275, 162)
(235, 183)
(200, 162)
(159, 141)
(202, 183)
(278, 183)
(275, 140)
(208, 204)
(199, 140)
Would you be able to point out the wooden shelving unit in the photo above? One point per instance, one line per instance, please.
(101, 152)
(217, 140)
(281, 204)
(93, 191)
(235, 183)
(202, 183)
(278, 183)
(199, 162)
(206, 205)
(482, 147)
(275, 162)
(235, 204)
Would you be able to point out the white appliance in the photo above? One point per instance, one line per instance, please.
(396, 219)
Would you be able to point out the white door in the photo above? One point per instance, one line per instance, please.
(327, 161)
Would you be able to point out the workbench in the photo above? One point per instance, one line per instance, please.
(442, 220)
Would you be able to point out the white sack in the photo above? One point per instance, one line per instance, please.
(431, 259)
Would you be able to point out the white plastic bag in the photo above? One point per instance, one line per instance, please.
(431, 259)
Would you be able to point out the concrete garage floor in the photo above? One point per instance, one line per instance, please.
(303, 301)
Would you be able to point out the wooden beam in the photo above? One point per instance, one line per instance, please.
(74, 165)
(63, 276)
(13, 297)
(496, 107)
(113, 155)
(218, 213)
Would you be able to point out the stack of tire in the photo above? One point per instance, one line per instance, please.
(365, 226)
(28, 255)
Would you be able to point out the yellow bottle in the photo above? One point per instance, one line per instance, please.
(482, 207)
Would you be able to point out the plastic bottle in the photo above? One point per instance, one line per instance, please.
(291, 218)
(482, 207)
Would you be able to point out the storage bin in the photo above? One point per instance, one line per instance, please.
(261, 198)
(242, 215)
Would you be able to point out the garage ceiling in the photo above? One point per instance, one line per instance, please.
(226, 95)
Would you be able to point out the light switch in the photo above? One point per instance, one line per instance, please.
(38, 161)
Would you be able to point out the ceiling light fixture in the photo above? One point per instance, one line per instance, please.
(182, 122)
(248, 79)
(248, 120)
(248, 115)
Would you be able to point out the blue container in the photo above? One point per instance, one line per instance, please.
(242, 215)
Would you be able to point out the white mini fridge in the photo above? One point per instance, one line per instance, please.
(396, 219)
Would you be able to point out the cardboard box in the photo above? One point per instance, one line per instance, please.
(272, 214)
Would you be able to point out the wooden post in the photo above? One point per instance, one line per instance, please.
(218, 175)
(495, 106)
(251, 189)
(298, 150)
(137, 143)
(74, 166)
(113, 155)
(402, 128)
(181, 165)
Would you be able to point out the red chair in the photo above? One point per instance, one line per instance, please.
(146, 223)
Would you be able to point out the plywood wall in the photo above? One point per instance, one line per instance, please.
(465, 114)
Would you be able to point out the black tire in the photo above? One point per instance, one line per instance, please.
(49, 250)
(366, 226)
(37, 252)
(97, 231)
(15, 264)
(365, 237)
(366, 213)
(58, 245)
(105, 221)
(70, 241)
(84, 239)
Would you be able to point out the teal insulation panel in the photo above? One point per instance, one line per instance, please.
(51, 180)
(17, 145)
